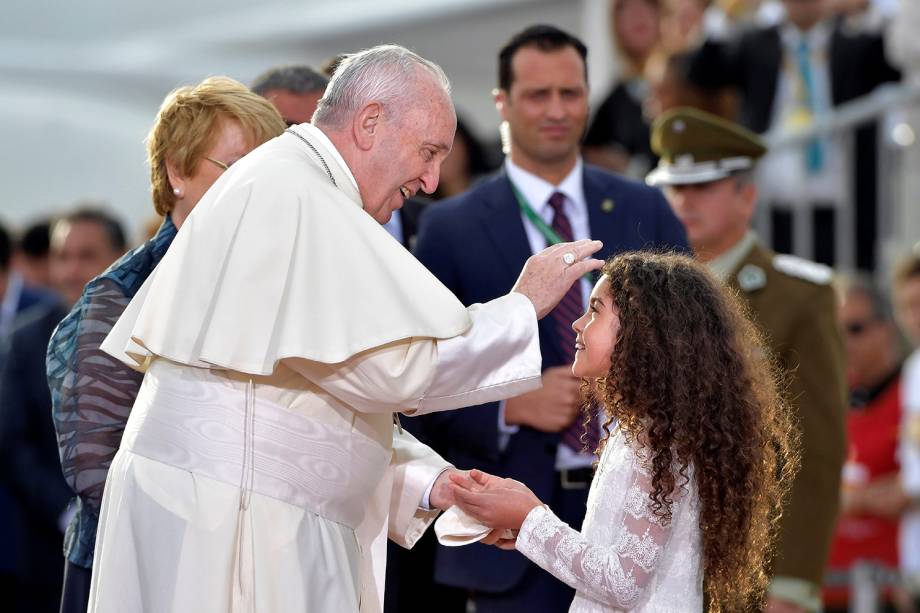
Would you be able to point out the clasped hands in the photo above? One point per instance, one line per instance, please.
(499, 503)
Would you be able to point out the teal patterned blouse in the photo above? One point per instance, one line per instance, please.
(91, 392)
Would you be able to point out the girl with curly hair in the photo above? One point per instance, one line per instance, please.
(697, 454)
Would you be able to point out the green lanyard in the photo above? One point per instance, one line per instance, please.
(548, 233)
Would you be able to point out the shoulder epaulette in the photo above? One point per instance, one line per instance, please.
(800, 268)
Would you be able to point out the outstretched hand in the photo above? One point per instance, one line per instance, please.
(547, 277)
(501, 504)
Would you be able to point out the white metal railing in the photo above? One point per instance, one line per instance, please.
(897, 108)
(867, 582)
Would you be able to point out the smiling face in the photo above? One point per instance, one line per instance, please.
(408, 148)
(596, 333)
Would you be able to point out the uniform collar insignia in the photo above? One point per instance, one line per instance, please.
(751, 277)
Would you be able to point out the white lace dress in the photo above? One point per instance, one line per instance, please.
(624, 559)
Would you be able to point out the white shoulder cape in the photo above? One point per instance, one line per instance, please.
(276, 262)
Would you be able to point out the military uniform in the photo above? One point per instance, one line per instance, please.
(793, 304)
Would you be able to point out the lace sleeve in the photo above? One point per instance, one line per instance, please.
(614, 574)
(92, 392)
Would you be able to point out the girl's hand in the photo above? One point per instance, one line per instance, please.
(498, 503)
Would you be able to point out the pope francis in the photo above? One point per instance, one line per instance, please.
(261, 468)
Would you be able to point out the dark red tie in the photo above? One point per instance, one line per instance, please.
(567, 311)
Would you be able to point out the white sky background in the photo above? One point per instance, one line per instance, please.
(80, 82)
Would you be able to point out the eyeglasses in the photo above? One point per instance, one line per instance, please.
(856, 328)
(223, 165)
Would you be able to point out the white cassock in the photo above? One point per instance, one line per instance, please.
(260, 469)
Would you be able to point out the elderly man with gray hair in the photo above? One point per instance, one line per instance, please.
(263, 464)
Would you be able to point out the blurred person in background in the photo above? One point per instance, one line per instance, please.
(466, 163)
(474, 243)
(16, 296)
(31, 256)
(293, 89)
(707, 171)
(902, 44)
(872, 499)
(669, 89)
(682, 24)
(83, 244)
(200, 131)
(618, 137)
(906, 291)
(787, 75)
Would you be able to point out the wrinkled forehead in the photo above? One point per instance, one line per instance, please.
(431, 114)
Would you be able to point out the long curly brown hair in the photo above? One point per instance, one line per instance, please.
(692, 383)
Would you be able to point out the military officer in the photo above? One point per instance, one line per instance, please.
(707, 171)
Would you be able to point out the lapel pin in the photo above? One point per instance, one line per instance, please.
(607, 205)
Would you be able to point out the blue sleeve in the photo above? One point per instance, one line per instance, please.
(92, 392)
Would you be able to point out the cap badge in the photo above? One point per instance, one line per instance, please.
(684, 161)
(751, 277)
(678, 126)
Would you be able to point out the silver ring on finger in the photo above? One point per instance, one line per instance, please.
(568, 258)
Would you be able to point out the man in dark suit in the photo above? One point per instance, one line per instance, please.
(15, 297)
(83, 244)
(707, 168)
(475, 243)
(787, 74)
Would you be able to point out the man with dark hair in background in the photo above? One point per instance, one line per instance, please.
(474, 243)
(15, 293)
(83, 244)
(31, 257)
(15, 297)
(294, 90)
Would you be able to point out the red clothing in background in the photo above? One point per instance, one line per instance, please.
(872, 454)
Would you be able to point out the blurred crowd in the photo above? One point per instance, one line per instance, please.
(767, 66)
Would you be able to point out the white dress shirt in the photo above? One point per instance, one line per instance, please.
(537, 192)
(783, 174)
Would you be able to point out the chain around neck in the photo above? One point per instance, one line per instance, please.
(316, 153)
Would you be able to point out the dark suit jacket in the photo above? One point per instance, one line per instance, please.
(476, 245)
(752, 63)
(409, 216)
(29, 463)
(10, 514)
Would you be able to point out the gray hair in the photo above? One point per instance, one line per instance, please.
(293, 78)
(379, 74)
